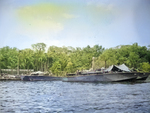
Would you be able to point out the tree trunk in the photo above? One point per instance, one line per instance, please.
(11, 71)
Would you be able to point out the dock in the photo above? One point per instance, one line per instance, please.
(10, 77)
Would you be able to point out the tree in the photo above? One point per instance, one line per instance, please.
(97, 50)
(108, 56)
(39, 50)
(56, 68)
(69, 68)
(26, 59)
(133, 59)
(145, 66)
(39, 47)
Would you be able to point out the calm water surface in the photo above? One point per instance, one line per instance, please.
(66, 97)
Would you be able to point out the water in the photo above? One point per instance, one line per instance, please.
(66, 97)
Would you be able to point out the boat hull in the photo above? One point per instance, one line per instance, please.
(106, 77)
(39, 78)
(142, 76)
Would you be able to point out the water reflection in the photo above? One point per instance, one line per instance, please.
(66, 97)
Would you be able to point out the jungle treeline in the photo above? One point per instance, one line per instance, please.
(62, 60)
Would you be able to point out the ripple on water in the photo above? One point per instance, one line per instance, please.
(66, 97)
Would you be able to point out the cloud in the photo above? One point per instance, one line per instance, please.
(45, 16)
(43, 21)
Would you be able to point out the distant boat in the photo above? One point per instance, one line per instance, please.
(39, 76)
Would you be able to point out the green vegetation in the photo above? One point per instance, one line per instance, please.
(62, 60)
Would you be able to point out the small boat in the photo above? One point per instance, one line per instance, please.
(102, 77)
(39, 76)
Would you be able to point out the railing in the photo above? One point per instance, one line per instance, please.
(14, 71)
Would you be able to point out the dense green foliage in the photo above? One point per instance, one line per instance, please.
(62, 60)
(133, 56)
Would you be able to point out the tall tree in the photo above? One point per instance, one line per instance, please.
(39, 50)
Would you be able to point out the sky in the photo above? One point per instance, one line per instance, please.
(75, 23)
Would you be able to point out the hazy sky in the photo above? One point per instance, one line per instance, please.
(75, 23)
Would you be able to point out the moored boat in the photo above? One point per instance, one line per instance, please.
(39, 76)
(102, 77)
(112, 74)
